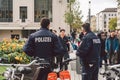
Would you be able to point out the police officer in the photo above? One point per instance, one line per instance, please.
(43, 44)
(88, 52)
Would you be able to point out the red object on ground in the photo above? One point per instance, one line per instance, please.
(52, 76)
(64, 75)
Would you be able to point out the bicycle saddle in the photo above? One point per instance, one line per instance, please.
(24, 70)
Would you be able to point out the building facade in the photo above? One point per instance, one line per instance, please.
(19, 18)
(104, 17)
(118, 15)
(93, 23)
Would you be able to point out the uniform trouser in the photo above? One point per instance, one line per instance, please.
(90, 71)
(43, 74)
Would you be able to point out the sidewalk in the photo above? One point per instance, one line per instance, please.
(72, 68)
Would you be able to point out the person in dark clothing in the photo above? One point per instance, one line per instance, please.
(118, 36)
(73, 34)
(81, 35)
(43, 44)
(89, 53)
(112, 47)
(65, 43)
(103, 55)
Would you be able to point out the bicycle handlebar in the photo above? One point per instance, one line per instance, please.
(19, 64)
(25, 65)
(68, 60)
(114, 66)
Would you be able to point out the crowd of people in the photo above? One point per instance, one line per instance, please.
(92, 49)
(109, 47)
(46, 44)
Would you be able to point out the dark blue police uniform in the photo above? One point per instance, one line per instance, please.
(89, 53)
(43, 44)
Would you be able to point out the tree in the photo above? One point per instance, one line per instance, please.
(73, 15)
(113, 23)
(77, 16)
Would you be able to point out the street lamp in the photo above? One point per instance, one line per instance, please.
(89, 13)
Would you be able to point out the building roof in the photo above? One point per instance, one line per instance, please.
(110, 10)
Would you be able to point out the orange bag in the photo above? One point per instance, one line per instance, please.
(64, 75)
(52, 76)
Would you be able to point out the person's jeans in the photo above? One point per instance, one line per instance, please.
(60, 60)
(113, 58)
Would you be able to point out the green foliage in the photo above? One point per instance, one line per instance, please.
(12, 50)
(73, 15)
(113, 24)
(72, 1)
(69, 18)
(2, 69)
(77, 16)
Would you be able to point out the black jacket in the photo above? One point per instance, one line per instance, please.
(89, 49)
(65, 44)
(103, 53)
(43, 44)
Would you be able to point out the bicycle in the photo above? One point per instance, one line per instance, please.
(25, 71)
(60, 73)
(112, 72)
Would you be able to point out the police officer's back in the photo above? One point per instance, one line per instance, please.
(43, 44)
(89, 53)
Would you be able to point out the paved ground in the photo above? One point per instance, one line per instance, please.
(72, 69)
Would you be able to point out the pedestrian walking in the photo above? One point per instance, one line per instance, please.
(89, 53)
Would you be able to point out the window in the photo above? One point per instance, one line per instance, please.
(26, 33)
(105, 26)
(23, 13)
(104, 29)
(105, 22)
(104, 16)
(6, 10)
(67, 1)
(43, 8)
(15, 36)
